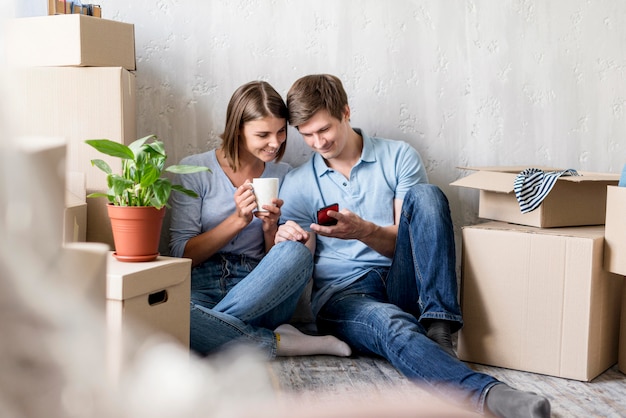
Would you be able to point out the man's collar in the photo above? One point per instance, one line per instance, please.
(367, 155)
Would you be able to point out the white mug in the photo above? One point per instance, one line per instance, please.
(265, 189)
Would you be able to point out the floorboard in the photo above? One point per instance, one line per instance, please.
(327, 376)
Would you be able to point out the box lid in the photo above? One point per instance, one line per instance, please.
(501, 179)
(127, 280)
(593, 232)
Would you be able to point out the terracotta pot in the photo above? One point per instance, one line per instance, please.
(136, 231)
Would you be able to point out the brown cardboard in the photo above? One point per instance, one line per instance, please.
(573, 201)
(622, 335)
(538, 300)
(615, 234)
(82, 266)
(74, 219)
(131, 286)
(144, 299)
(69, 40)
(35, 194)
(78, 103)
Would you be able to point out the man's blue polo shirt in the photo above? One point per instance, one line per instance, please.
(386, 171)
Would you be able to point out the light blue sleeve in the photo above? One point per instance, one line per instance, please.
(410, 169)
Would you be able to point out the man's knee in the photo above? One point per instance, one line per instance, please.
(425, 197)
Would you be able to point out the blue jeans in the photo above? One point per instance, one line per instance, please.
(238, 300)
(383, 312)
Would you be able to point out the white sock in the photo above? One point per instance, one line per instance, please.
(292, 342)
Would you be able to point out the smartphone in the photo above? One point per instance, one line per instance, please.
(322, 215)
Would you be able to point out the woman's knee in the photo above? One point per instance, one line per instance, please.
(293, 252)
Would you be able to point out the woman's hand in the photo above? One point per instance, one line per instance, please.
(245, 202)
(291, 231)
(270, 215)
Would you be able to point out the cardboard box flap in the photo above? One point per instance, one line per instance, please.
(72, 200)
(590, 232)
(128, 280)
(486, 180)
(515, 169)
(501, 179)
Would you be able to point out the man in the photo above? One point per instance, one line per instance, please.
(384, 278)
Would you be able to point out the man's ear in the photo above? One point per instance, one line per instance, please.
(346, 113)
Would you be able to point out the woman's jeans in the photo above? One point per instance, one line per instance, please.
(238, 300)
(383, 312)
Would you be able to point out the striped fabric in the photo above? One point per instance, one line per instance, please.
(533, 185)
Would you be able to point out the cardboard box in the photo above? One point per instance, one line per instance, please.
(615, 233)
(74, 219)
(155, 294)
(32, 213)
(69, 40)
(573, 201)
(144, 299)
(622, 335)
(78, 103)
(538, 300)
(82, 266)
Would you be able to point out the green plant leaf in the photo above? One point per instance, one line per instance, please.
(162, 189)
(149, 175)
(98, 194)
(102, 165)
(157, 147)
(114, 149)
(181, 189)
(140, 182)
(186, 169)
(137, 145)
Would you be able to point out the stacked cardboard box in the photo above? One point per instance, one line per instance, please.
(72, 78)
(534, 294)
(615, 252)
(151, 296)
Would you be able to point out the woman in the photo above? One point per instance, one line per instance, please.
(243, 288)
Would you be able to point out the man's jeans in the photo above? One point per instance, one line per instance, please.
(383, 312)
(238, 300)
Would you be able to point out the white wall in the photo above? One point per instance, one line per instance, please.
(479, 82)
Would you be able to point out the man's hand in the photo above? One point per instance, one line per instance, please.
(349, 226)
(352, 226)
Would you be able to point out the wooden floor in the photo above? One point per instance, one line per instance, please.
(326, 376)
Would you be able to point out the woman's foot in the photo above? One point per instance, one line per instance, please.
(292, 342)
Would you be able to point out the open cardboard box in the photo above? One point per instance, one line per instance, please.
(538, 300)
(573, 201)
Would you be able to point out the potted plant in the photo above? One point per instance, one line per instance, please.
(138, 195)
